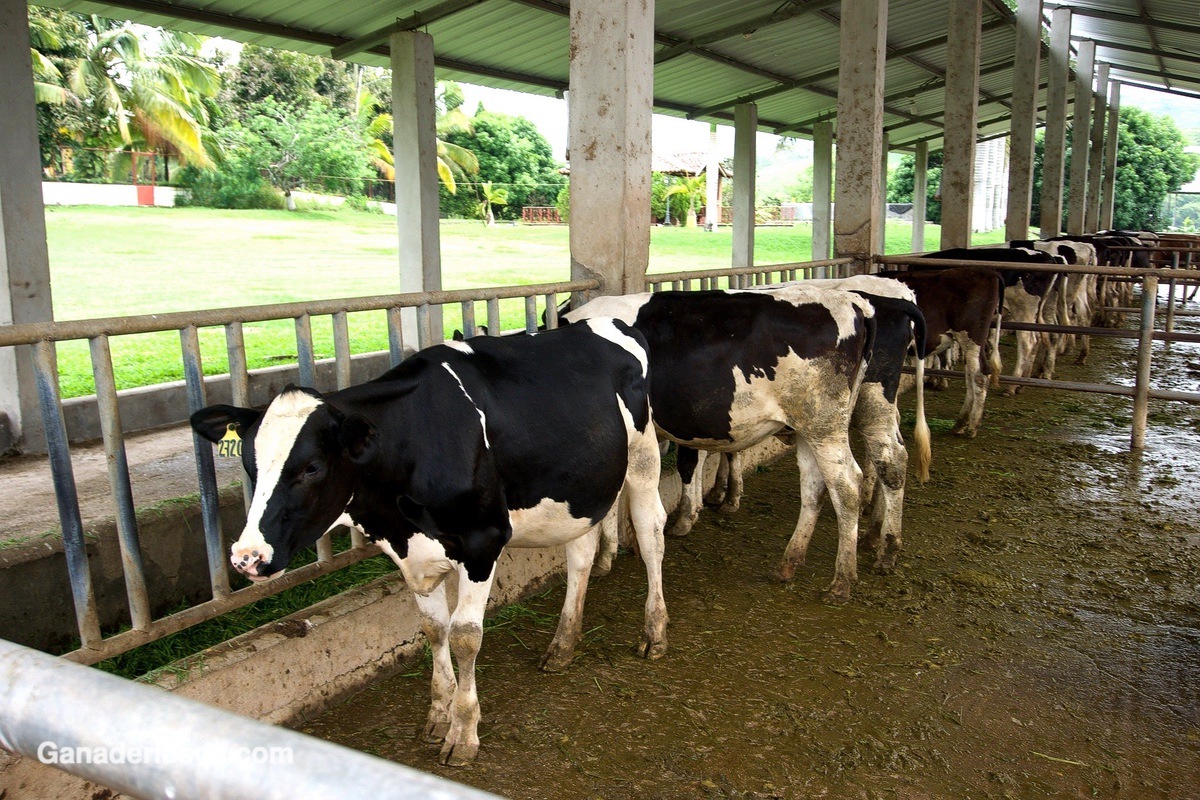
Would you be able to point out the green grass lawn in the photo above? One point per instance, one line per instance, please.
(125, 261)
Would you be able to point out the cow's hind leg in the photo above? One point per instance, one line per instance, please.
(649, 519)
(842, 478)
(812, 492)
(466, 636)
(730, 475)
(581, 553)
(976, 385)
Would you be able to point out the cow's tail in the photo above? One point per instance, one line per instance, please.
(994, 365)
(921, 437)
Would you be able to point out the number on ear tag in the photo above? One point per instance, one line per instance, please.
(230, 445)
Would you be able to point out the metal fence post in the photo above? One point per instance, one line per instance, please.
(1141, 396)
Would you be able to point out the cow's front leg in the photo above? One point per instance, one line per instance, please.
(435, 622)
(581, 553)
(720, 488)
(691, 473)
(466, 636)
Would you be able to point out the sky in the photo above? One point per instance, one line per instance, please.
(671, 134)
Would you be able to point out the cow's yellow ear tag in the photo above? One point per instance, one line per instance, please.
(230, 445)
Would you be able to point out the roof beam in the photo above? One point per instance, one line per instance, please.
(789, 11)
(418, 19)
(1153, 36)
(1152, 88)
(1174, 76)
(1147, 51)
(807, 81)
(1130, 19)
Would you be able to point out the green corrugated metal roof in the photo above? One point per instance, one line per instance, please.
(709, 55)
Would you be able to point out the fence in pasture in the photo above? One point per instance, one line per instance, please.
(41, 337)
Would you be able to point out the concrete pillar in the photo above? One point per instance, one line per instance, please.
(414, 137)
(1091, 222)
(1080, 137)
(920, 192)
(1111, 140)
(24, 261)
(745, 127)
(884, 146)
(612, 91)
(856, 221)
(712, 202)
(822, 190)
(962, 98)
(1027, 62)
(1056, 122)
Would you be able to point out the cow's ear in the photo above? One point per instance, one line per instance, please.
(213, 422)
(358, 438)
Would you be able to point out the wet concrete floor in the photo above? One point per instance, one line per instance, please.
(1040, 638)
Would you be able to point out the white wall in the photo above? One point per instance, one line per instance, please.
(56, 193)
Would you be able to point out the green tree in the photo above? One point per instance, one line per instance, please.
(692, 188)
(1150, 163)
(262, 72)
(900, 185)
(511, 154)
(318, 148)
(491, 197)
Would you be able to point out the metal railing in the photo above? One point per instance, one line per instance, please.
(1141, 391)
(145, 742)
(747, 277)
(41, 337)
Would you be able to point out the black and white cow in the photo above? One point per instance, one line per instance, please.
(1025, 298)
(732, 368)
(462, 450)
(960, 306)
(899, 324)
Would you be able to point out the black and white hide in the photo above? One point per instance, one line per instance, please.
(460, 451)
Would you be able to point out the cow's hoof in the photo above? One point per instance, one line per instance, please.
(1011, 391)
(681, 527)
(730, 507)
(602, 566)
(435, 730)
(714, 499)
(885, 563)
(1083, 359)
(458, 755)
(838, 594)
(652, 650)
(786, 571)
(556, 660)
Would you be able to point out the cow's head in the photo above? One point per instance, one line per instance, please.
(302, 456)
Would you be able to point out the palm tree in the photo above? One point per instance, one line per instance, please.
(693, 188)
(159, 96)
(47, 79)
(453, 162)
(491, 197)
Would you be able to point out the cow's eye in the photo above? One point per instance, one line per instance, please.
(314, 468)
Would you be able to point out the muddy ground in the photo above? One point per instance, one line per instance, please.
(1040, 638)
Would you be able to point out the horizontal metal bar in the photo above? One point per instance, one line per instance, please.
(173, 746)
(1116, 333)
(1072, 386)
(30, 332)
(946, 263)
(127, 640)
(668, 277)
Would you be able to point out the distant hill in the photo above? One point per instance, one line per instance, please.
(1185, 111)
